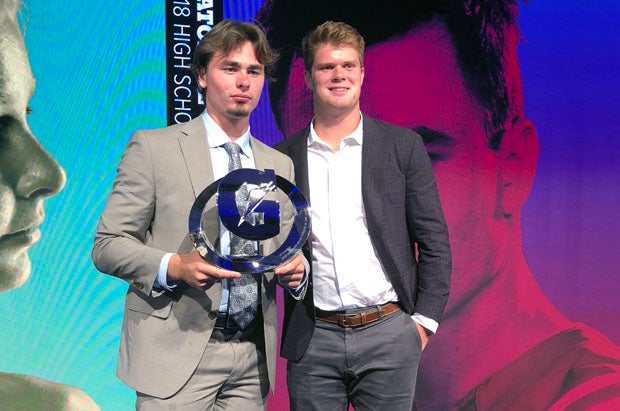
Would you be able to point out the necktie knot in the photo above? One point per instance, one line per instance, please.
(233, 149)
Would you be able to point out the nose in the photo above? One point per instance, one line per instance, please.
(41, 175)
(243, 80)
(338, 73)
(27, 165)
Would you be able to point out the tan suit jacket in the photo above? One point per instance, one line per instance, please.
(160, 175)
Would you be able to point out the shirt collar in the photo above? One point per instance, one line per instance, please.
(216, 137)
(355, 138)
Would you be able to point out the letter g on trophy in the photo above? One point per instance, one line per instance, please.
(254, 205)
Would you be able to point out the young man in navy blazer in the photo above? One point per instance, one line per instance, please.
(379, 250)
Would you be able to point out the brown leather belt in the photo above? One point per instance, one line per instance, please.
(358, 319)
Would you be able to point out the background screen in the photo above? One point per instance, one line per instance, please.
(101, 74)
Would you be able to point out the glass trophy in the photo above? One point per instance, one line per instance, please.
(256, 205)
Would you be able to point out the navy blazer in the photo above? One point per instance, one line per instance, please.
(402, 208)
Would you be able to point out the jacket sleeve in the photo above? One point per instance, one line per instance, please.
(121, 246)
(428, 230)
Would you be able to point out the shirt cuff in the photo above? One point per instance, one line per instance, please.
(162, 274)
(428, 323)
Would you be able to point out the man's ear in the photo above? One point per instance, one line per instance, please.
(517, 155)
(308, 79)
(202, 78)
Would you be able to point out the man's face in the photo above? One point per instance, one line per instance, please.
(27, 172)
(335, 79)
(233, 84)
(415, 81)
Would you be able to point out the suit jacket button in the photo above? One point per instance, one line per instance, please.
(212, 314)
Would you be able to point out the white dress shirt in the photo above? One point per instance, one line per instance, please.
(347, 272)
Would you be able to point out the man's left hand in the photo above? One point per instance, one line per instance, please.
(422, 333)
(291, 273)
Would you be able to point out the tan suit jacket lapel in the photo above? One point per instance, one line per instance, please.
(193, 142)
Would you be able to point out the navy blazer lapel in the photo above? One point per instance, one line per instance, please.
(299, 155)
(374, 156)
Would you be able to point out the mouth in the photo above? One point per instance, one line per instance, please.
(22, 238)
(241, 98)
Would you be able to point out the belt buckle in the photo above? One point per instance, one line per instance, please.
(342, 320)
(224, 318)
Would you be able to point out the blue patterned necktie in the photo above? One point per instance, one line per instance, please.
(243, 297)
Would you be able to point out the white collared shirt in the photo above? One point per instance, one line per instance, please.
(346, 270)
(216, 138)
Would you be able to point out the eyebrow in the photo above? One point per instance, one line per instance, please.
(433, 137)
(343, 63)
(236, 64)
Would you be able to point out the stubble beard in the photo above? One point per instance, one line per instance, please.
(239, 113)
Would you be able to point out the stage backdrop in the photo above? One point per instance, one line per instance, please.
(101, 74)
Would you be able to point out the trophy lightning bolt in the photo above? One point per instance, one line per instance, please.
(248, 197)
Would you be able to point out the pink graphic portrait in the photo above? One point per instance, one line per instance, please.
(450, 71)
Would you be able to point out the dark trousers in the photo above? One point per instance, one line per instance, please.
(372, 367)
